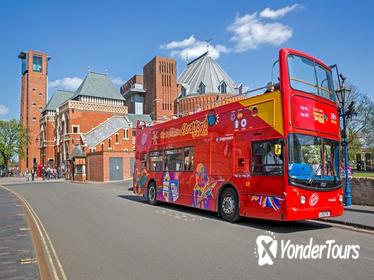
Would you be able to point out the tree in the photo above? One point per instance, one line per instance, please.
(13, 140)
(364, 113)
(360, 127)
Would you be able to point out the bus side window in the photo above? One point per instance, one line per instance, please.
(173, 160)
(144, 160)
(188, 158)
(155, 160)
(267, 158)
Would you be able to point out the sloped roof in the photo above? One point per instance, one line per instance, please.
(206, 70)
(105, 130)
(98, 85)
(133, 118)
(58, 99)
(77, 152)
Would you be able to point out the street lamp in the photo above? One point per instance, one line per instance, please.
(345, 113)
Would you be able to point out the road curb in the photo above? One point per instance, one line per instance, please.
(45, 252)
(349, 224)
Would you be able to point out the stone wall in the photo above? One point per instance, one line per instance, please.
(362, 191)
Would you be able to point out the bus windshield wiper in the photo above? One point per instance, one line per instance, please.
(311, 180)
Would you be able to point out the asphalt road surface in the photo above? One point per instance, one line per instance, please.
(106, 232)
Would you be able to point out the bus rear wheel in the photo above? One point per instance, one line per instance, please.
(152, 194)
(229, 205)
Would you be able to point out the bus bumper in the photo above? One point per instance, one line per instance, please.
(300, 213)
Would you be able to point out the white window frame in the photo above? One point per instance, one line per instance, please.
(75, 126)
(126, 133)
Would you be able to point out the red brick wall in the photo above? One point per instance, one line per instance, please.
(33, 100)
(123, 144)
(160, 82)
(98, 165)
(136, 79)
(95, 167)
(191, 104)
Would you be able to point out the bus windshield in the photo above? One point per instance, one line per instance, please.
(311, 77)
(313, 158)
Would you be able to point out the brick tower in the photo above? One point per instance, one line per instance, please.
(160, 83)
(33, 100)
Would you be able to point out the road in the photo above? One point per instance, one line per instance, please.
(103, 231)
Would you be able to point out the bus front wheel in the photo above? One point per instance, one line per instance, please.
(152, 194)
(229, 205)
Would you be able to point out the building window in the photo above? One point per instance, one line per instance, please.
(40, 94)
(133, 133)
(79, 169)
(267, 158)
(102, 146)
(117, 138)
(34, 119)
(109, 143)
(202, 88)
(223, 87)
(126, 133)
(33, 104)
(184, 92)
(37, 63)
(75, 128)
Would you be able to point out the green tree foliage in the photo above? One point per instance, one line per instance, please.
(360, 127)
(13, 140)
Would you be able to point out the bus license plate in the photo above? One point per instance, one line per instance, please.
(324, 214)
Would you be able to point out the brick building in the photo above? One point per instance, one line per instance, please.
(89, 133)
(158, 92)
(47, 127)
(78, 127)
(155, 91)
(33, 99)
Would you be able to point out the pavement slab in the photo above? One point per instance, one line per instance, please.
(17, 255)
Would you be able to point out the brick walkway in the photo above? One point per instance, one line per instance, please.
(17, 255)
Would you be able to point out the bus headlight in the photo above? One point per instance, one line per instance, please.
(341, 198)
(302, 200)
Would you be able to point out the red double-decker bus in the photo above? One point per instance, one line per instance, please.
(272, 156)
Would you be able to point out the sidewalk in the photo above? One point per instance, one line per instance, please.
(22, 180)
(17, 255)
(357, 216)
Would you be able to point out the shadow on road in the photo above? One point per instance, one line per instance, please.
(275, 226)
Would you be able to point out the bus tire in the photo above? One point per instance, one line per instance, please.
(229, 205)
(152, 193)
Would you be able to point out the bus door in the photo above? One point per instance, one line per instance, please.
(267, 173)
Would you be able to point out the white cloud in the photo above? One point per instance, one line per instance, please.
(250, 32)
(180, 44)
(117, 81)
(68, 83)
(273, 14)
(3, 110)
(191, 48)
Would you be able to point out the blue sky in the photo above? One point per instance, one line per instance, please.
(121, 36)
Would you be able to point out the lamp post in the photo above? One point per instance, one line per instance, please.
(342, 95)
